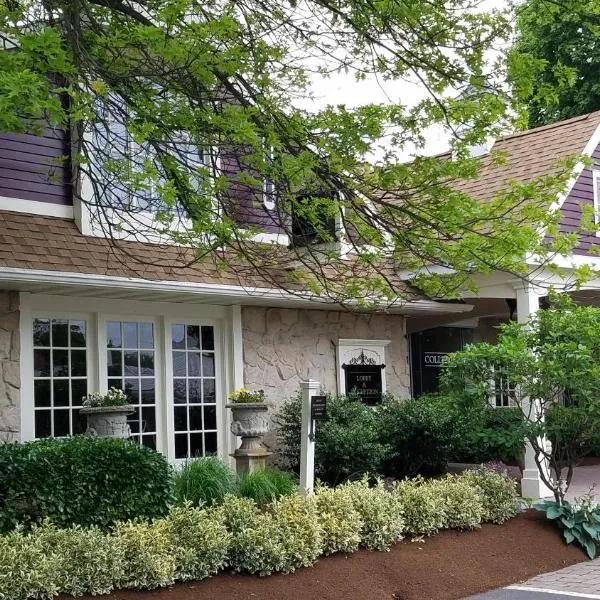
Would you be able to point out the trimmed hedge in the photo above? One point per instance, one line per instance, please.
(82, 480)
(289, 533)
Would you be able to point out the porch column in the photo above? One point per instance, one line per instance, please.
(532, 486)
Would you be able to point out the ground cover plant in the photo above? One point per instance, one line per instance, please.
(267, 484)
(283, 535)
(205, 480)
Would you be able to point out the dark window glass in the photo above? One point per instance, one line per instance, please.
(179, 364)
(132, 389)
(60, 363)
(41, 363)
(134, 421)
(194, 364)
(114, 363)
(209, 396)
(196, 444)
(179, 396)
(77, 334)
(208, 364)
(148, 392)
(79, 423)
(130, 335)
(148, 419)
(147, 363)
(149, 441)
(210, 417)
(195, 418)
(41, 391)
(146, 332)
(62, 425)
(78, 391)
(41, 332)
(195, 391)
(181, 445)
(43, 423)
(115, 383)
(61, 392)
(78, 363)
(113, 334)
(60, 333)
(210, 443)
(193, 337)
(178, 335)
(208, 338)
(131, 364)
(181, 418)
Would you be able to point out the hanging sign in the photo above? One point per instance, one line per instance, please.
(318, 408)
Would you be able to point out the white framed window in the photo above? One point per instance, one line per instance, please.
(596, 184)
(504, 390)
(167, 359)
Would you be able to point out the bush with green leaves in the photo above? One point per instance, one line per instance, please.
(266, 485)
(461, 500)
(380, 511)
(199, 540)
(340, 522)
(149, 560)
(423, 511)
(281, 538)
(579, 521)
(82, 480)
(205, 480)
(498, 494)
(348, 442)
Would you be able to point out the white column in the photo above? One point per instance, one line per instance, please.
(309, 389)
(532, 486)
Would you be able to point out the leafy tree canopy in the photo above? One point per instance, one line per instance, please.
(148, 83)
(560, 39)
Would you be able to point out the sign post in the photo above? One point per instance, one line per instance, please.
(309, 389)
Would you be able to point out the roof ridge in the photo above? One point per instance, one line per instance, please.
(550, 126)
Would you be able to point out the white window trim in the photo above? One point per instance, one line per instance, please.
(595, 184)
(351, 348)
(36, 207)
(228, 353)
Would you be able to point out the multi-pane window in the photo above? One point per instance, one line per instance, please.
(194, 390)
(504, 389)
(130, 364)
(59, 376)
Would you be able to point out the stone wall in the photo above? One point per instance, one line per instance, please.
(10, 381)
(284, 346)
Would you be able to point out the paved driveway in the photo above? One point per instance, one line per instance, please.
(577, 581)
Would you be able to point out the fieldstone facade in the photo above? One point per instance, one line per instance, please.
(10, 379)
(284, 346)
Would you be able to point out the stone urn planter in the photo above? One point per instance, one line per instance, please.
(108, 421)
(250, 423)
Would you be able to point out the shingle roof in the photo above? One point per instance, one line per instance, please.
(530, 154)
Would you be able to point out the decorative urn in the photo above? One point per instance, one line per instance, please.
(107, 414)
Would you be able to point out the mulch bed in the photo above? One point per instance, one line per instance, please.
(447, 566)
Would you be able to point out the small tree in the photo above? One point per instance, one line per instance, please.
(550, 368)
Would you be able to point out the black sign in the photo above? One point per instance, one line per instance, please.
(365, 381)
(318, 408)
(434, 360)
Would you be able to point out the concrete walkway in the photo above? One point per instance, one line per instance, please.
(583, 479)
(577, 581)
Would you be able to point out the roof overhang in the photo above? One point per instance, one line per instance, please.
(106, 286)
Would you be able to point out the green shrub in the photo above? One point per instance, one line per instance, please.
(422, 508)
(498, 494)
(421, 435)
(340, 522)
(83, 480)
(149, 560)
(462, 502)
(380, 512)
(204, 480)
(199, 540)
(266, 485)
(348, 441)
(282, 538)
(490, 436)
(25, 567)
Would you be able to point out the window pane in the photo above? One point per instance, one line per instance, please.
(179, 396)
(210, 443)
(208, 364)
(178, 337)
(60, 333)
(134, 421)
(195, 388)
(193, 337)
(114, 363)
(149, 441)
(194, 364)
(179, 364)
(131, 364)
(62, 425)
(146, 363)
(41, 363)
(78, 391)
(113, 334)
(210, 417)
(195, 418)
(148, 419)
(148, 394)
(132, 390)
(43, 426)
(60, 363)
(77, 334)
(181, 418)
(61, 392)
(209, 396)
(41, 391)
(130, 335)
(41, 332)
(181, 446)
(115, 383)
(196, 444)
(78, 366)
(208, 338)
(146, 335)
(79, 423)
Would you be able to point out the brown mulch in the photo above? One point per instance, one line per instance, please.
(447, 566)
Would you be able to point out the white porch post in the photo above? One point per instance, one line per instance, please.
(532, 486)
(309, 389)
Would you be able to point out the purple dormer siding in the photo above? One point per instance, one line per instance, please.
(36, 167)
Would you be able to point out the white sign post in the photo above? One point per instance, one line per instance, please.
(309, 389)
